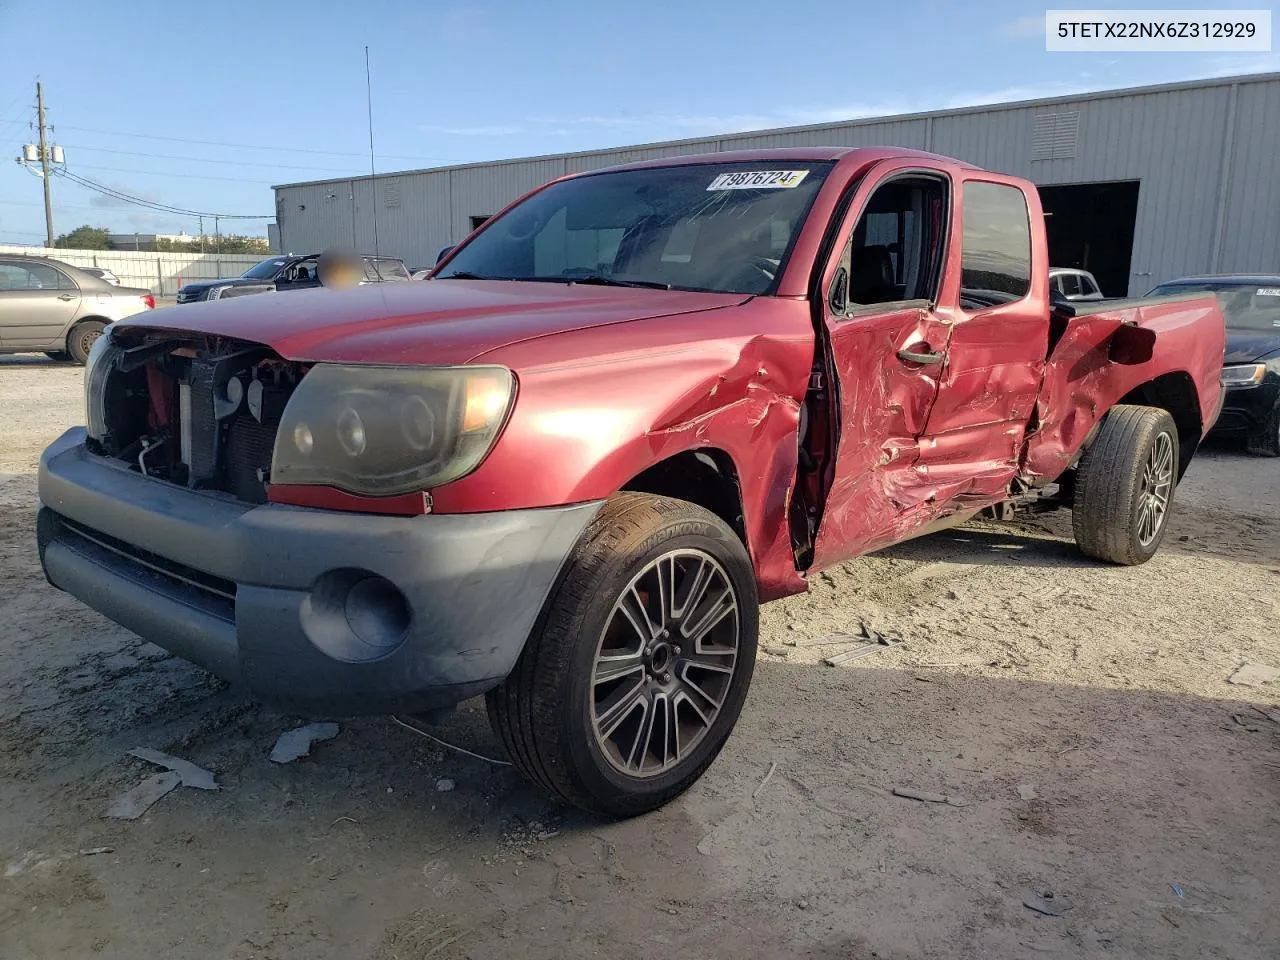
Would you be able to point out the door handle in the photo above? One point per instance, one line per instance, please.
(65, 296)
(925, 357)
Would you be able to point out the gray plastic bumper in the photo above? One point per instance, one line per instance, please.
(319, 611)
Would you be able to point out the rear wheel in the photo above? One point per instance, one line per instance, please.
(1265, 440)
(1124, 485)
(82, 338)
(635, 675)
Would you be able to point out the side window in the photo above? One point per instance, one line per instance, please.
(1070, 284)
(1089, 287)
(31, 276)
(897, 247)
(995, 263)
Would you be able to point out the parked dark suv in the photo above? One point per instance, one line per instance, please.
(290, 273)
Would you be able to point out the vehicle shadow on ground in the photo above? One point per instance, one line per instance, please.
(28, 361)
(384, 844)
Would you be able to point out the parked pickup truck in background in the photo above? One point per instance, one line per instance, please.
(287, 273)
(564, 471)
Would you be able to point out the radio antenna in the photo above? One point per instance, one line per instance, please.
(373, 171)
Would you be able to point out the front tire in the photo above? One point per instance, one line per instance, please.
(82, 338)
(1265, 441)
(58, 356)
(1125, 484)
(638, 667)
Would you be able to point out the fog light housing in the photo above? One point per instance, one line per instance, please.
(355, 616)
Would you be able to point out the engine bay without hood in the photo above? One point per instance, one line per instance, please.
(197, 411)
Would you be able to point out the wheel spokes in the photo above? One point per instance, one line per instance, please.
(664, 663)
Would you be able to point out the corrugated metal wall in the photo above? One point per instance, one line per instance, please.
(1207, 156)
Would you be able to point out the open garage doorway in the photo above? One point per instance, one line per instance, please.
(1090, 227)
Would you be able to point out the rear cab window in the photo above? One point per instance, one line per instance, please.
(995, 266)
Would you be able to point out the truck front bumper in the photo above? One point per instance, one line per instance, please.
(317, 611)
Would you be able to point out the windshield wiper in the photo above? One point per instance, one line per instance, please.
(467, 275)
(600, 279)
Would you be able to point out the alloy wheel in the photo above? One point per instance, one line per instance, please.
(1157, 486)
(664, 663)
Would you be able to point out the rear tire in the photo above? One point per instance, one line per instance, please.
(1265, 441)
(624, 693)
(82, 338)
(1125, 484)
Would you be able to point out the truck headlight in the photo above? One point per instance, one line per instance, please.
(1243, 375)
(380, 431)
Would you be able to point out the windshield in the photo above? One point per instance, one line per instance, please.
(264, 270)
(722, 227)
(1244, 306)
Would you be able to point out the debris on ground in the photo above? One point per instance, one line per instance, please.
(1177, 889)
(444, 785)
(1272, 715)
(926, 797)
(136, 802)
(776, 651)
(192, 776)
(1046, 903)
(298, 742)
(773, 767)
(1254, 675)
(874, 643)
(1027, 792)
(1246, 722)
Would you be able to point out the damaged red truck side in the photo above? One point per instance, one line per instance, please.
(564, 471)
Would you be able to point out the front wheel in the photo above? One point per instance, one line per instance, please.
(638, 668)
(1124, 485)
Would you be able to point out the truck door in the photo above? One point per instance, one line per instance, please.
(999, 338)
(885, 347)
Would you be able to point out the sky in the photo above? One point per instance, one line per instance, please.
(204, 106)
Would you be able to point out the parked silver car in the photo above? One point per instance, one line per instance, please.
(47, 306)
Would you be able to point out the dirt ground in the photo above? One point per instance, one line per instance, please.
(1080, 714)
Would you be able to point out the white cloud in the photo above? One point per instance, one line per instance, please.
(1024, 28)
(492, 130)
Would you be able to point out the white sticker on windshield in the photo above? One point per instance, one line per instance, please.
(1269, 291)
(759, 180)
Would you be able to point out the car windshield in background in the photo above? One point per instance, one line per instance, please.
(264, 270)
(721, 227)
(1253, 306)
(385, 270)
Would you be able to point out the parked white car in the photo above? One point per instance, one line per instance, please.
(1074, 284)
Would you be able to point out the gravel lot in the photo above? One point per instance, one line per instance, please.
(1080, 713)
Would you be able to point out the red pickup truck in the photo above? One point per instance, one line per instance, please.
(565, 470)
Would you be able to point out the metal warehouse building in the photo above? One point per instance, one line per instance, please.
(1139, 185)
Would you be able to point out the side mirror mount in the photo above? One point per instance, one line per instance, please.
(444, 252)
(838, 295)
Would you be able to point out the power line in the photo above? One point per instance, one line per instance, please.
(184, 176)
(242, 146)
(233, 163)
(154, 204)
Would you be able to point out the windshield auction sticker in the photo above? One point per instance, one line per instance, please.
(759, 180)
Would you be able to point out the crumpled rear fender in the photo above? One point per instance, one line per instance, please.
(1092, 368)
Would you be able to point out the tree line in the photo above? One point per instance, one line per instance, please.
(86, 237)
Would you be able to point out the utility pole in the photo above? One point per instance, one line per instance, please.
(44, 163)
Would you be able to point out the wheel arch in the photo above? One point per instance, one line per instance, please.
(1176, 393)
(704, 476)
